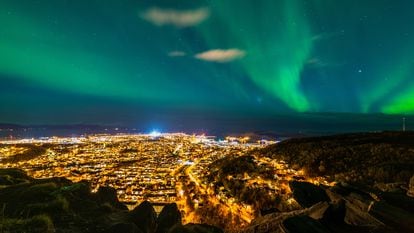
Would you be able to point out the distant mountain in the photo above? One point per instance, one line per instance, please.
(10, 126)
(63, 130)
(71, 126)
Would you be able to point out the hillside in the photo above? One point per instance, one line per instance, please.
(372, 190)
(367, 158)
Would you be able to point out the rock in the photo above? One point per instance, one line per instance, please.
(399, 200)
(145, 217)
(333, 219)
(303, 223)
(318, 210)
(395, 217)
(272, 222)
(335, 213)
(333, 196)
(169, 217)
(124, 228)
(82, 188)
(108, 195)
(357, 203)
(390, 187)
(307, 194)
(410, 191)
(195, 228)
(351, 211)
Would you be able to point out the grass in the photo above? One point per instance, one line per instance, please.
(38, 223)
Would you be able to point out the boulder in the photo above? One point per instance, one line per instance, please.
(303, 223)
(145, 217)
(399, 200)
(357, 202)
(395, 217)
(169, 217)
(108, 195)
(272, 222)
(307, 194)
(335, 213)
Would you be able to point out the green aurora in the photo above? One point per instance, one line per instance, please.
(277, 53)
(256, 57)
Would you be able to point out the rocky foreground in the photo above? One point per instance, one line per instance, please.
(342, 208)
(59, 205)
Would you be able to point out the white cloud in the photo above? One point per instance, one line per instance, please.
(221, 55)
(178, 18)
(177, 54)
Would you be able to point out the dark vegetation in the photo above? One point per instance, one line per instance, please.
(59, 205)
(367, 158)
(234, 166)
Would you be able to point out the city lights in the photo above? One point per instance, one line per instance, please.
(155, 133)
(156, 166)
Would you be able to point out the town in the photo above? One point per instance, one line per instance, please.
(159, 167)
(140, 166)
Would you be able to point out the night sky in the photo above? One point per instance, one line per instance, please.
(117, 61)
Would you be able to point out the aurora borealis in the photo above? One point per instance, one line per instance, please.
(71, 61)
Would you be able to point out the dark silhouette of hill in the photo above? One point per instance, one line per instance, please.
(368, 158)
(59, 205)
